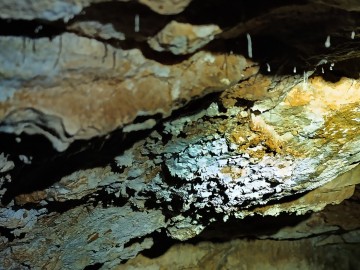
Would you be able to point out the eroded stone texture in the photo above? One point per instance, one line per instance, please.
(74, 86)
(235, 160)
(43, 9)
(257, 254)
(323, 240)
(181, 38)
(217, 165)
(97, 30)
(277, 139)
(93, 76)
(104, 232)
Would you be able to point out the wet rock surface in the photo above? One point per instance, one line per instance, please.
(128, 126)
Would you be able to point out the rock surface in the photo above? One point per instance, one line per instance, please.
(126, 122)
(308, 244)
(86, 88)
(257, 254)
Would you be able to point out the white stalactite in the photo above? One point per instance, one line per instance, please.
(250, 53)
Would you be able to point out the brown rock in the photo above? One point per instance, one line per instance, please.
(183, 38)
(254, 254)
(166, 7)
(77, 91)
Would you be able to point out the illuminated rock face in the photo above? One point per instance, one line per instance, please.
(124, 122)
(72, 88)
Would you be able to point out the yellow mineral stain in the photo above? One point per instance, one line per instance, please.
(298, 97)
(233, 171)
(271, 139)
(343, 125)
(322, 96)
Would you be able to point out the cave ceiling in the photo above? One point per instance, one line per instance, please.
(124, 122)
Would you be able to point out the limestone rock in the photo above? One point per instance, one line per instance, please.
(97, 30)
(181, 38)
(85, 236)
(43, 9)
(312, 250)
(165, 6)
(5, 164)
(80, 85)
(128, 123)
(255, 254)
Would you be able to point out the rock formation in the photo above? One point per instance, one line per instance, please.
(129, 125)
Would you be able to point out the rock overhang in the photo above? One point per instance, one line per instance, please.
(173, 115)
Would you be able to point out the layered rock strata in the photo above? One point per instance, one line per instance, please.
(124, 121)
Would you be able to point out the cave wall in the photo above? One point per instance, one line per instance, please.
(127, 125)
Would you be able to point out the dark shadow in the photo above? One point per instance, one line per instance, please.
(31, 28)
(280, 40)
(122, 17)
(249, 227)
(94, 266)
(48, 166)
(228, 13)
(219, 232)
(162, 243)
